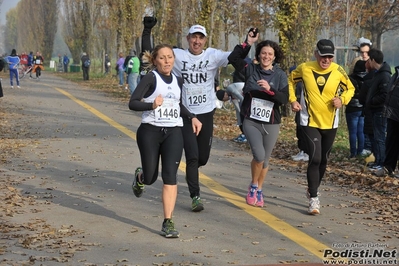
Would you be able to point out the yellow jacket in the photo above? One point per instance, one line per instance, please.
(320, 86)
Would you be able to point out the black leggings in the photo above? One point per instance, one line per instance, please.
(318, 145)
(197, 150)
(155, 142)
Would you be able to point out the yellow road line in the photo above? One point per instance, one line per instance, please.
(113, 123)
(262, 215)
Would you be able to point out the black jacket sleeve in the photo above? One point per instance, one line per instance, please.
(238, 55)
(144, 89)
(149, 23)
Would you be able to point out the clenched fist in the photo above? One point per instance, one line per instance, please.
(149, 22)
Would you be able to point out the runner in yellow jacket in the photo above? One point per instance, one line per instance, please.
(326, 87)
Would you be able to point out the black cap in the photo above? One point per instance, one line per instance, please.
(325, 47)
(220, 94)
(359, 67)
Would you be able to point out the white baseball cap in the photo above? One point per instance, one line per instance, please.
(363, 40)
(197, 28)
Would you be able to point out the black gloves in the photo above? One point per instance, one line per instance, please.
(254, 32)
(149, 22)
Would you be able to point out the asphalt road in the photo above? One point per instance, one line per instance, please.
(79, 168)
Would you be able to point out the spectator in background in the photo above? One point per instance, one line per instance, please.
(2, 64)
(13, 62)
(374, 103)
(391, 112)
(354, 112)
(4, 59)
(120, 69)
(85, 65)
(66, 63)
(30, 63)
(363, 48)
(368, 121)
(24, 60)
(107, 64)
(125, 62)
(302, 155)
(234, 90)
(132, 70)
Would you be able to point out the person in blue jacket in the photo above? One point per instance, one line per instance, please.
(13, 63)
(30, 63)
(66, 63)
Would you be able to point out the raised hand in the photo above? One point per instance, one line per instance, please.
(252, 36)
(149, 22)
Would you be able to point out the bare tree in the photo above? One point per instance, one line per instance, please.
(96, 26)
(379, 17)
(11, 29)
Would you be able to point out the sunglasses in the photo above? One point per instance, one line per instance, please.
(327, 56)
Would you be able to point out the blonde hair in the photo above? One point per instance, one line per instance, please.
(148, 58)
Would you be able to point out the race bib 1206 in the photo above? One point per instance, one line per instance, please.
(261, 109)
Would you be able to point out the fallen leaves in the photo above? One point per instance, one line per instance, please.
(380, 195)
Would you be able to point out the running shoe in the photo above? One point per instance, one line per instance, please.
(168, 229)
(196, 205)
(251, 196)
(259, 199)
(308, 194)
(374, 168)
(365, 153)
(305, 157)
(299, 156)
(138, 187)
(314, 206)
(240, 139)
(383, 171)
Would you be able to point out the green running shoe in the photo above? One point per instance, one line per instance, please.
(168, 229)
(196, 205)
(138, 187)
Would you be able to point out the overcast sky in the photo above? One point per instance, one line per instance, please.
(5, 6)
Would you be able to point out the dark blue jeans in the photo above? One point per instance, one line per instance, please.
(368, 142)
(355, 123)
(379, 130)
